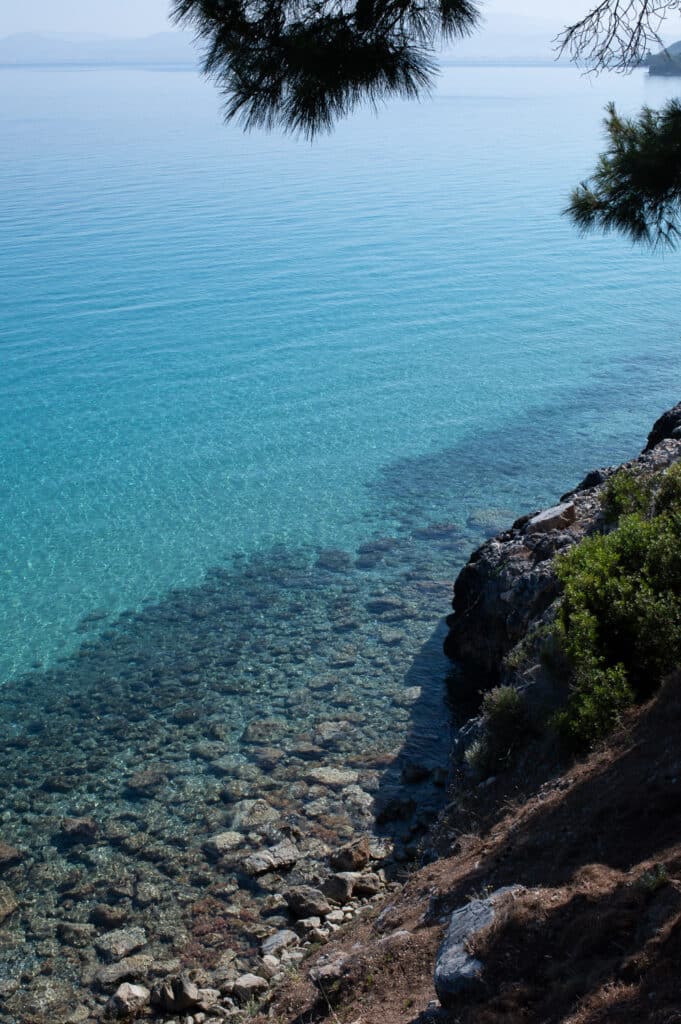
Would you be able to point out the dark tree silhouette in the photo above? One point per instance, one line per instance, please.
(636, 187)
(302, 64)
(616, 34)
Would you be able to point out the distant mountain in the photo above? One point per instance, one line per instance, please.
(162, 49)
(666, 62)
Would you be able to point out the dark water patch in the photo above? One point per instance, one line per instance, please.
(488, 478)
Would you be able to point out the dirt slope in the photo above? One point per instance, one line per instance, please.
(596, 936)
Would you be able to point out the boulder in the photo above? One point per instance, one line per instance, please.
(282, 939)
(329, 970)
(128, 1000)
(457, 972)
(281, 857)
(304, 901)
(340, 887)
(176, 994)
(557, 518)
(352, 856)
(120, 943)
(248, 987)
(368, 884)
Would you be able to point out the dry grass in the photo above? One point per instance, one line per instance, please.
(597, 936)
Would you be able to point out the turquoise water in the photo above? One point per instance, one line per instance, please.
(212, 344)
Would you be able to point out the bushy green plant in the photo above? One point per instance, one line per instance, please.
(624, 492)
(620, 618)
(506, 726)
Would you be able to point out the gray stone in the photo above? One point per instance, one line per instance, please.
(367, 884)
(121, 943)
(328, 970)
(457, 972)
(176, 994)
(269, 966)
(340, 887)
(278, 858)
(304, 901)
(128, 1000)
(559, 517)
(249, 986)
(222, 843)
(280, 940)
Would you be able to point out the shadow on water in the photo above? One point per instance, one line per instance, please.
(412, 789)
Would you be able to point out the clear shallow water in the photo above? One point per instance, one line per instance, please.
(212, 343)
(221, 356)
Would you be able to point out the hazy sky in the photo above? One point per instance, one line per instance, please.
(142, 17)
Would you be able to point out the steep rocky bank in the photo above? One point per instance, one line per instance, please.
(557, 894)
(509, 584)
(250, 903)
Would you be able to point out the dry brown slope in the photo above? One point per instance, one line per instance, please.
(597, 935)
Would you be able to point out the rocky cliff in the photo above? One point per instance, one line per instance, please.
(509, 584)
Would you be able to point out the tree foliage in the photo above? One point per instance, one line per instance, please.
(636, 186)
(302, 64)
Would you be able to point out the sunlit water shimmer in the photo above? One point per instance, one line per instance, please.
(258, 402)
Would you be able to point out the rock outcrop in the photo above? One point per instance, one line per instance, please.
(509, 583)
(458, 972)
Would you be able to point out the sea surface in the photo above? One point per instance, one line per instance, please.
(259, 401)
(212, 343)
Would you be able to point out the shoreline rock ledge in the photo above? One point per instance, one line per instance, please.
(509, 583)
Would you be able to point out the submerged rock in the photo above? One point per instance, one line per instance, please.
(121, 943)
(9, 855)
(279, 858)
(222, 843)
(336, 778)
(8, 902)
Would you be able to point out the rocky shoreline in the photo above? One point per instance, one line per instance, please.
(170, 785)
(195, 805)
(509, 587)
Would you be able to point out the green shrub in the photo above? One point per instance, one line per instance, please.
(620, 619)
(506, 726)
(624, 492)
